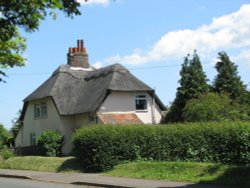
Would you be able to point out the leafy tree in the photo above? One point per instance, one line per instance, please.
(11, 52)
(214, 107)
(193, 83)
(25, 14)
(5, 142)
(228, 81)
(4, 137)
(15, 127)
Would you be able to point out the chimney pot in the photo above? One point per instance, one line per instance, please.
(82, 45)
(77, 56)
(78, 45)
(70, 50)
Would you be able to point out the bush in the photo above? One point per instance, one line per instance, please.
(7, 153)
(214, 107)
(4, 137)
(50, 143)
(103, 147)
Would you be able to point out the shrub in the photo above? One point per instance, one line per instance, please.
(50, 143)
(214, 107)
(103, 147)
(7, 153)
(4, 137)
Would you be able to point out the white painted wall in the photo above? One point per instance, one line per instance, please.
(18, 140)
(38, 125)
(64, 124)
(124, 102)
(69, 125)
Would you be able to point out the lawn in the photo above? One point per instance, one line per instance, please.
(37, 163)
(237, 176)
(3, 163)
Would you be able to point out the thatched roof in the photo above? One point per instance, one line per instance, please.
(77, 91)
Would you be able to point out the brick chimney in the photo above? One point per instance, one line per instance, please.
(78, 57)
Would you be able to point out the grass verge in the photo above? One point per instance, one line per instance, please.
(237, 176)
(3, 163)
(37, 163)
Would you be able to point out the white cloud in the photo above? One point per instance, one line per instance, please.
(243, 57)
(92, 2)
(98, 64)
(225, 32)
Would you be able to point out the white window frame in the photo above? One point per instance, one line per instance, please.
(37, 111)
(40, 110)
(44, 110)
(141, 98)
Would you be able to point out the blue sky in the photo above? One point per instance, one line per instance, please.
(150, 38)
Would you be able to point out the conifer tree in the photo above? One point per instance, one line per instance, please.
(193, 83)
(228, 81)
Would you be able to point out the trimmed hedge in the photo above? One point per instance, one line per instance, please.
(103, 147)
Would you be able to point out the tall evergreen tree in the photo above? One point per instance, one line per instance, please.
(193, 83)
(228, 81)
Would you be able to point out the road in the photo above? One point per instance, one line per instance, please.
(21, 183)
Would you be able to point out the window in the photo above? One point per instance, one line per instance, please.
(37, 111)
(40, 110)
(44, 110)
(141, 102)
(92, 119)
(32, 139)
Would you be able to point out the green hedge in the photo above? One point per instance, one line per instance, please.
(102, 147)
(50, 143)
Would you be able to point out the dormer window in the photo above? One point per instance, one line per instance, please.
(141, 103)
(40, 110)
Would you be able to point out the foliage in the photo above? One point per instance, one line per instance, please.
(193, 83)
(4, 137)
(14, 131)
(50, 143)
(7, 153)
(26, 15)
(222, 174)
(11, 51)
(15, 127)
(103, 147)
(228, 81)
(214, 107)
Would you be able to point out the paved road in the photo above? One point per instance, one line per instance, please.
(21, 183)
(93, 180)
